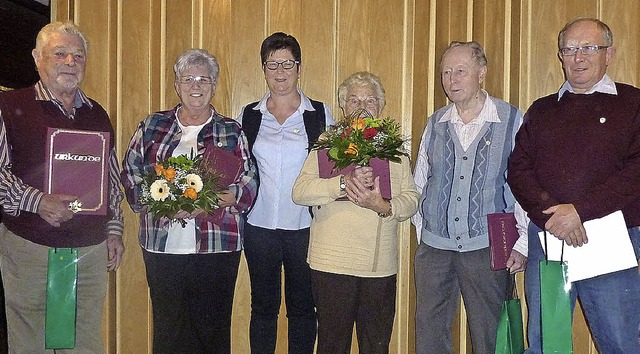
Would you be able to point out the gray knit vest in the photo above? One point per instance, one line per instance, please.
(464, 186)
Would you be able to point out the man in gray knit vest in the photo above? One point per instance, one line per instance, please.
(577, 158)
(461, 171)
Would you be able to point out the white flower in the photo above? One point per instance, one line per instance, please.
(159, 190)
(194, 181)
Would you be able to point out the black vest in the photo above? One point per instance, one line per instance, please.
(314, 125)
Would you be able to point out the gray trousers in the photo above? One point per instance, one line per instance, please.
(24, 272)
(441, 276)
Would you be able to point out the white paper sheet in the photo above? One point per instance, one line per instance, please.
(608, 249)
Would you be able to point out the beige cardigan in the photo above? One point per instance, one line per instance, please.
(346, 238)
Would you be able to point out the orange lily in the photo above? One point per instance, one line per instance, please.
(352, 149)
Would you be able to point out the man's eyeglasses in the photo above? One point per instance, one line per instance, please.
(287, 64)
(190, 80)
(585, 50)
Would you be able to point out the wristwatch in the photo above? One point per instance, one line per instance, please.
(343, 184)
(387, 213)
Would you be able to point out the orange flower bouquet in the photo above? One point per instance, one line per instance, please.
(357, 139)
(180, 183)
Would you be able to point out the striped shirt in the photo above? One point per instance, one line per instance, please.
(16, 196)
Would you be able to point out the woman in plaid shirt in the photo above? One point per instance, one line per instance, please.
(191, 270)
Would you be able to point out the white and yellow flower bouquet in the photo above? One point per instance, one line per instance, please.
(180, 183)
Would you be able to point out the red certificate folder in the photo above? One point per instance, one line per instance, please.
(229, 166)
(77, 163)
(503, 234)
(226, 163)
(380, 169)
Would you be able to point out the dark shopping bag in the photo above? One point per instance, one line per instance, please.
(510, 335)
(555, 303)
(62, 279)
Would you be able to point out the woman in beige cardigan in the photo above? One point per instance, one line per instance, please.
(354, 244)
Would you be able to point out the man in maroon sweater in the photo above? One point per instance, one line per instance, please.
(577, 158)
(34, 221)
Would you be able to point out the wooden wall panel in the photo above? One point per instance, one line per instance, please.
(514, 44)
(179, 29)
(543, 20)
(318, 75)
(133, 45)
(424, 72)
(215, 28)
(622, 18)
(490, 30)
(370, 38)
(451, 24)
(138, 94)
(248, 31)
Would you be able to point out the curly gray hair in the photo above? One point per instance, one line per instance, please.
(197, 58)
(61, 28)
(361, 79)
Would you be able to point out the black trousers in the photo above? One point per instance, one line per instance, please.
(342, 300)
(192, 299)
(267, 252)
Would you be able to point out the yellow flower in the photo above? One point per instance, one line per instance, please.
(358, 124)
(159, 190)
(352, 149)
(170, 174)
(194, 181)
(190, 193)
(159, 169)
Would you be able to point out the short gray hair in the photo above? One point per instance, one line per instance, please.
(607, 35)
(361, 79)
(61, 28)
(477, 52)
(197, 58)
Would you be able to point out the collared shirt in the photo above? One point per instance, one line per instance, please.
(466, 134)
(155, 140)
(280, 151)
(605, 85)
(16, 196)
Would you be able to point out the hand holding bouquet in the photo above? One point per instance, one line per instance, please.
(360, 137)
(180, 184)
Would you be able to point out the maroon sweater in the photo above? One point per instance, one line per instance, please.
(583, 150)
(26, 121)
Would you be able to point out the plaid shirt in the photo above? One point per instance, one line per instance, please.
(16, 195)
(154, 141)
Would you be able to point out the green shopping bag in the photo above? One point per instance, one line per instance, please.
(510, 336)
(60, 318)
(555, 303)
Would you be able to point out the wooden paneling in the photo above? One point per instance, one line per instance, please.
(490, 31)
(133, 45)
(138, 94)
(622, 16)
